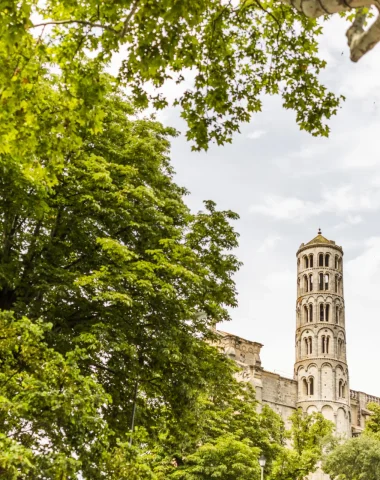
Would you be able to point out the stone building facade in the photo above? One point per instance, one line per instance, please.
(321, 376)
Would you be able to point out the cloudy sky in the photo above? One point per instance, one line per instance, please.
(285, 184)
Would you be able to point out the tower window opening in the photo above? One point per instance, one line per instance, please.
(336, 283)
(336, 314)
(321, 312)
(327, 260)
(326, 281)
(320, 260)
(310, 313)
(336, 262)
(340, 347)
(311, 283)
(321, 281)
(310, 345)
(327, 312)
(311, 386)
(304, 382)
(306, 314)
(306, 346)
(342, 389)
(306, 283)
(325, 343)
(306, 260)
(311, 260)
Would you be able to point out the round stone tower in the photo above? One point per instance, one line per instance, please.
(321, 364)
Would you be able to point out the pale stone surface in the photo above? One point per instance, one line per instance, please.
(321, 377)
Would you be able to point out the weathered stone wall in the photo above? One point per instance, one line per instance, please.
(280, 394)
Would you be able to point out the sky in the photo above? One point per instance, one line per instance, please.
(285, 184)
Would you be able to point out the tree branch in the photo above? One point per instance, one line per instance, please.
(127, 20)
(360, 40)
(80, 22)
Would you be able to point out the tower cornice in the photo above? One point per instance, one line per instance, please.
(319, 244)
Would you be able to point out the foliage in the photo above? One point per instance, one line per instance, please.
(225, 438)
(307, 437)
(104, 250)
(50, 419)
(372, 426)
(356, 459)
(232, 55)
(226, 459)
(359, 457)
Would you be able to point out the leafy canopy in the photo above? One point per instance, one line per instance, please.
(104, 250)
(232, 53)
(308, 435)
(359, 457)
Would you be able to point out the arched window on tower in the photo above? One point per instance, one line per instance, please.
(321, 281)
(305, 314)
(327, 312)
(340, 347)
(336, 283)
(336, 262)
(320, 260)
(337, 314)
(310, 345)
(311, 260)
(327, 278)
(342, 389)
(325, 343)
(327, 260)
(305, 389)
(310, 312)
(311, 386)
(321, 312)
(311, 282)
(306, 261)
(305, 283)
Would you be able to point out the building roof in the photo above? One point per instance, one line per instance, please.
(319, 240)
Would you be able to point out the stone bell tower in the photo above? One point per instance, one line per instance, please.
(321, 364)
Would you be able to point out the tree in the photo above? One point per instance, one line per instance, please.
(355, 459)
(307, 436)
(50, 420)
(226, 459)
(233, 54)
(225, 440)
(358, 457)
(105, 251)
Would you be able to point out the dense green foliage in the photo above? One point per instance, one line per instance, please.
(231, 53)
(110, 288)
(308, 435)
(359, 457)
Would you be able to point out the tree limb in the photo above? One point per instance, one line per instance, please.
(80, 22)
(360, 40)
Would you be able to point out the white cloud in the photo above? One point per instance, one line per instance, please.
(256, 134)
(341, 201)
(269, 242)
(350, 220)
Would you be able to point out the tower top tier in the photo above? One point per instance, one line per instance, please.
(319, 240)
